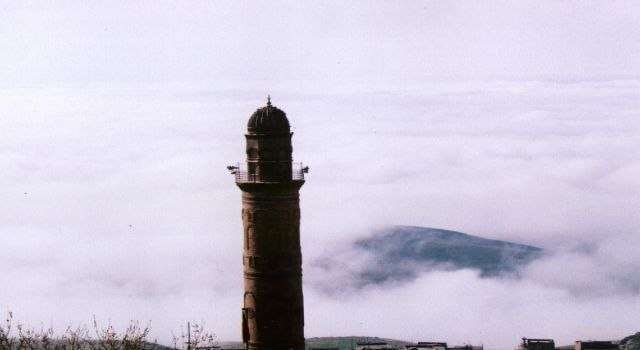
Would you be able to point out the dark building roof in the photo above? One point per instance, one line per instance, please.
(596, 344)
(268, 120)
(537, 344)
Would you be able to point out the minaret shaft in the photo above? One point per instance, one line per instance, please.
(272, 270)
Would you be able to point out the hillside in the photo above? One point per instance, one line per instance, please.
(347, 343)
(631, 342)
(401, 253)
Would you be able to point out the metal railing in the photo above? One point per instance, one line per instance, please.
(242, 174)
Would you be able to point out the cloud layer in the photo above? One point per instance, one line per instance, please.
(117, 203)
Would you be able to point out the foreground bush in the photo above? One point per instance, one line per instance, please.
(14, 336)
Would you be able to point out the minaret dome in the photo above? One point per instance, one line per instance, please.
(268, 120)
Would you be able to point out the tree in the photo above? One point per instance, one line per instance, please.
(195, 338)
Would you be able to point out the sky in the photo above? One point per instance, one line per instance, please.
(507, 120)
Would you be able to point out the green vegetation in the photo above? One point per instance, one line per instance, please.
(347, 343)
(631, 342)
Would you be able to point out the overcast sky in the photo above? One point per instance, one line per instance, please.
(508, 120)
(280, 42)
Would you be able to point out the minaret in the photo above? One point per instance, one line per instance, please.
(273, 315)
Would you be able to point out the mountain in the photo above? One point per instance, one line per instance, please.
(401, 253)
(631, 342)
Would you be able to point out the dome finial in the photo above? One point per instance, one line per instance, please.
(269, 100)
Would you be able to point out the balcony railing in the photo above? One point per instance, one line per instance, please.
(242, 174)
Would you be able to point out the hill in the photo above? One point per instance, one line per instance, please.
(401, 253)
(342, 343)
(631, 342)
(348, 343)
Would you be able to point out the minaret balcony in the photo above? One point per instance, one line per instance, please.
(271, 173)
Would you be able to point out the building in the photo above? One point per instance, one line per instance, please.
(426, 345)
(374, 346)
(596, 345)
(273, 314)
(537, 344)
(467, 347)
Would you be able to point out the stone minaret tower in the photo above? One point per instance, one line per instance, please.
(273, 315)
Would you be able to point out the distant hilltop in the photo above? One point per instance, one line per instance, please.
(402, 253)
